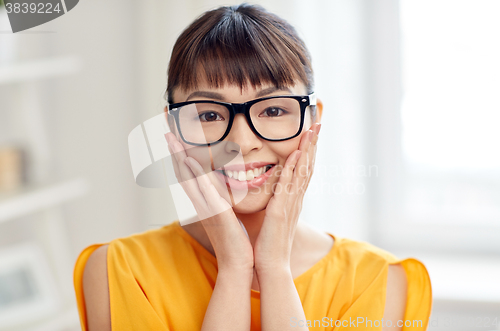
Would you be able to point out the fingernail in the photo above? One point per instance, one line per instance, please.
(315, 139)
(187, 161)
(318, 128)
(311, 134)
(299, 154)
(172, 146)
(176, 146)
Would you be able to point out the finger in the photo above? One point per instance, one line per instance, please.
(176, 165)
(170, 137)
(180, 155)
(210, 194)
(301, 170)
(211, 176)
(285, 180)
(302, 189)
(185, 177)
(185, 181)
(304, 170)
(311, 160)
(316, 131)
(312, 149)
(191, 185)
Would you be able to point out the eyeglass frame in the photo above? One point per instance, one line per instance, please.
(243, 108)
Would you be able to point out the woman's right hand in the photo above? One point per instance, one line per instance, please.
(230, 243)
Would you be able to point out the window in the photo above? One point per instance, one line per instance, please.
(444, 192)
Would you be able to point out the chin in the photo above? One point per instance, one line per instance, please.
(252, 204)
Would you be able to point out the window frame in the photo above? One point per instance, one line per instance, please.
(393, 228)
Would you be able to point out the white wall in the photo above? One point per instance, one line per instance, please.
(93, 116)
(88, 115)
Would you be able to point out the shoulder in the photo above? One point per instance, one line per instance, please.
(359, 257)
(368, 266)
(96, 263)
(96, 290)
(364, 261)
(146, 243)
(396, 294)
(127, 256)
(363, 251)
(369, 270)
(370, 263)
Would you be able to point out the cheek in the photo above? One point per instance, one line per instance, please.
(200, 154)
(285, 148)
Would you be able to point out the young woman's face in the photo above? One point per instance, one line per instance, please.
(252, 148)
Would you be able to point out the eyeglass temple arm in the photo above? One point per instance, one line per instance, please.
(312, 99)
(312, 103)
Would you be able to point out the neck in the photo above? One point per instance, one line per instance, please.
(253, 223)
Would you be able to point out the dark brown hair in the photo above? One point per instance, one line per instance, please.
(238, 45)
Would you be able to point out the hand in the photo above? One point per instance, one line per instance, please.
(229, 241)
(274, 244)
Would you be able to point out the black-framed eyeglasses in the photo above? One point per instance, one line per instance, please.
(276, 118)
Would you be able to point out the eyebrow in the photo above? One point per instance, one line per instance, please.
(271, 90)
(206, 94)
(218, 96)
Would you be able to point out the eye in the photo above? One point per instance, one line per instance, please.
(273, 112)
(210, 116)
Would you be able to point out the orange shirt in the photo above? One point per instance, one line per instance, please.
(163, 279)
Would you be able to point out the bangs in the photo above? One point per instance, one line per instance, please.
(239, 45)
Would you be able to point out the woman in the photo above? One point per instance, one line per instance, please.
(240, 81)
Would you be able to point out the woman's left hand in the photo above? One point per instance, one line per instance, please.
(273, 246)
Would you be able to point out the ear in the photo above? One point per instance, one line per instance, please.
(319, 110)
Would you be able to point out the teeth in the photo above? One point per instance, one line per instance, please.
(242, 176)
(248, 175)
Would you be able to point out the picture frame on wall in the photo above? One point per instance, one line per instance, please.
(28, 292)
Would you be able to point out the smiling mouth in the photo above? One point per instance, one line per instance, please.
(248, 175)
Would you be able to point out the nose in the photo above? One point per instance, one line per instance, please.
(243, 136)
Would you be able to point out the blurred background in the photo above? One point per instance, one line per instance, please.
(408, 156)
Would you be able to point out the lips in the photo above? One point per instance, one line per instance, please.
(245, 167)
(253, 177)
(245, 175)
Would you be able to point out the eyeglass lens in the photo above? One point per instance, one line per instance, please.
(277, 118)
